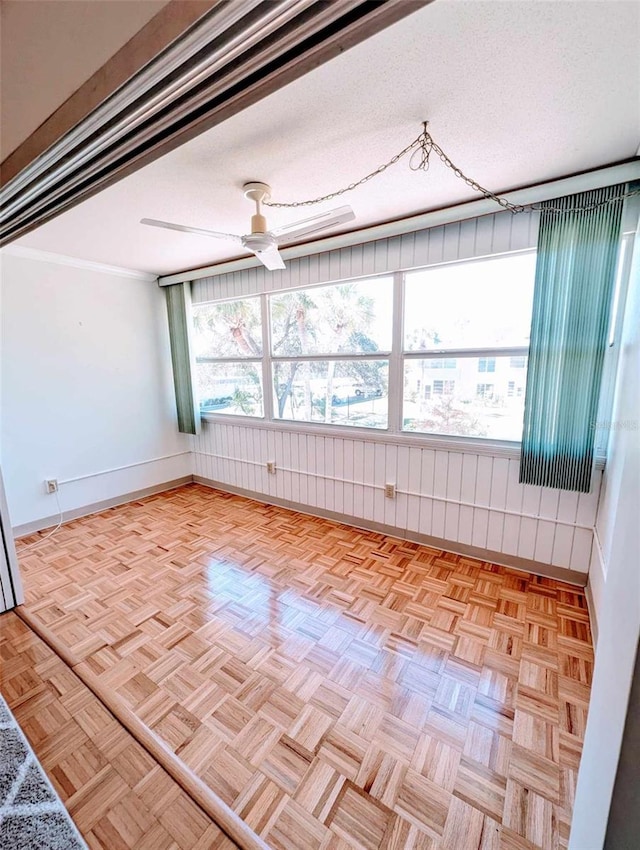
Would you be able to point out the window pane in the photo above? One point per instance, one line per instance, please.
(343, 392)
(479, 304)
(234, 388)
(351, 318)
(464, 404)
(228, 329)
(487, 364)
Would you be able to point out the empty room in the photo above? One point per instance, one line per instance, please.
(320, 425)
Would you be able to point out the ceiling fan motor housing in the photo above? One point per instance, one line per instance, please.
(259, 242)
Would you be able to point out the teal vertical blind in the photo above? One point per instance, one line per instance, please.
(179, 312)
(575, 278)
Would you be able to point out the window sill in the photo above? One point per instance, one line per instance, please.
(495, 448)
(469, 445)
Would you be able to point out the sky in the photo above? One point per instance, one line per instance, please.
(474, 304)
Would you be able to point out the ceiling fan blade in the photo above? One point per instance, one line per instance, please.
(292, 232)
(153, 222)
(270, 258)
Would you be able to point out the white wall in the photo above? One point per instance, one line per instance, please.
(86, 386)
(615, 587)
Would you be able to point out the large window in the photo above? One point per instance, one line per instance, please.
(438, 351)
(330, 349)
(479, 313)
(228, 349)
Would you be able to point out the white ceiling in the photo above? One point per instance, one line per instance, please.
(515, 92)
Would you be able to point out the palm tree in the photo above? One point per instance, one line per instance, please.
(290, 321)
(237, 315)
(232, 325)
(346, 311)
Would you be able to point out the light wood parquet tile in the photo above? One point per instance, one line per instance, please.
(338, 688)
(118, 796)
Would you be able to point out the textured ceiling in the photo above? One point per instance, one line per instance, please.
(515, 92)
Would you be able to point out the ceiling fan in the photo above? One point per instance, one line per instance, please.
(262, 242)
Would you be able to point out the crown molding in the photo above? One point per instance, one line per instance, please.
(74, 262)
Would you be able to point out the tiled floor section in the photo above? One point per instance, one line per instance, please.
(117, 795)
(338, 688)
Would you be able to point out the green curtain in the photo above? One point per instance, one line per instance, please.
(575, 277)
(179, 312)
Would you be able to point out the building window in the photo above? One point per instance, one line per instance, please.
(515, 390)
(330, 348)
(443, 387)
(228, 349)
(442, 363)
(519, 362)
(486, 364)
(485, 390)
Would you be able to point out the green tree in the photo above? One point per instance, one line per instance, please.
(446, 416)
(346, 313)
(292, 335)
(228, 328)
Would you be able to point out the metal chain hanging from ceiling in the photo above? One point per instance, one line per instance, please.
(421, 148)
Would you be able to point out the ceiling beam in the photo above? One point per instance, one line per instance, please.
(232, 56)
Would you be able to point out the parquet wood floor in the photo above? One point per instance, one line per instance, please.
(118, 796)
(338, 688)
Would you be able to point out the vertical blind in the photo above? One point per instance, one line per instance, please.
(179, 313)
(578, 246)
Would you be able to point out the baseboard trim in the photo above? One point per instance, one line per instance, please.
(593, 617)
(96, 507)
(512, 561)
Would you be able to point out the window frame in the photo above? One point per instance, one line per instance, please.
(237, 359)
(271, 359)
(394, 432)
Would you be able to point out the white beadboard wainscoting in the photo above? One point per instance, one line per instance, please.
(459, 498)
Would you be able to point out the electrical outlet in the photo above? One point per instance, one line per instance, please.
(271, 467)
(51, 485)
(390, 491)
